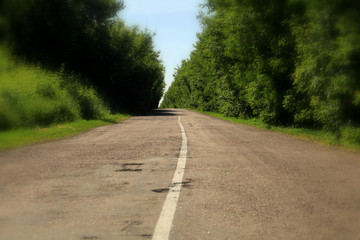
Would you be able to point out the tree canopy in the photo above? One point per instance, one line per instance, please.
(292, 62)
(86, 37)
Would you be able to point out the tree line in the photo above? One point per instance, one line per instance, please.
(86, 38)
(287, 62)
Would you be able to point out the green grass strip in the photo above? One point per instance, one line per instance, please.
(20, 137)
(316, 135)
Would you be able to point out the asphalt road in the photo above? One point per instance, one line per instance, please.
(239, 183)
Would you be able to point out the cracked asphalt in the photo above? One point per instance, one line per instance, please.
(240, 183)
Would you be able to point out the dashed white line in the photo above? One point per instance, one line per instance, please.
(163, 226)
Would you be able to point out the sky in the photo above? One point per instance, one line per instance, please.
(175, 26)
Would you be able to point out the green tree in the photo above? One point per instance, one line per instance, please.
(87, 38)
(285, 61)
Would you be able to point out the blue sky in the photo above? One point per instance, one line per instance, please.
(174, 23)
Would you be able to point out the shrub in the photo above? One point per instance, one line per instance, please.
(31, 96)
(350, 134)
(91, 105)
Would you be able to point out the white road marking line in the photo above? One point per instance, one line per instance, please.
(163, 226)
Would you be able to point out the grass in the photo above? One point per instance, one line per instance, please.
(32, 96)
(38, 105)
(317, 135)
(13, 138)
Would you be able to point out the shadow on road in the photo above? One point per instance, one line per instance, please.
(163, 112)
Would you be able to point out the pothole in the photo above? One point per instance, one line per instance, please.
(146, 235)
(132, 164)
(160, 190)
(130, 167)
(185, 184)
(128, 170)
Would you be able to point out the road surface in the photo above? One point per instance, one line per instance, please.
(239, 183)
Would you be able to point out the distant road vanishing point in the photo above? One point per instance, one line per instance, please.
(239, 182)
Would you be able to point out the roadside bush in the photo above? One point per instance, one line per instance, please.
(8, 117)
(31, 96)
(350, 134)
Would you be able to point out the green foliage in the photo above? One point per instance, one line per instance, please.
(350, 135)
(86, 38)
(327, 68)
(286, 62)
(30, 96)
(137, 74)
